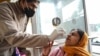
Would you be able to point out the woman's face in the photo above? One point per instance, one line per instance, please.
(72, 38)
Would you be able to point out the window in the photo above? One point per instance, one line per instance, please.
(93, 17)
(47, 13)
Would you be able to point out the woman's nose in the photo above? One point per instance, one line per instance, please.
(69, 35)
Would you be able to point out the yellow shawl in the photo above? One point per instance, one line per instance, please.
(79, 49)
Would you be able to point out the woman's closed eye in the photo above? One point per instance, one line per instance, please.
(72, 34)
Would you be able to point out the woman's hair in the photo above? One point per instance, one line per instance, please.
(31, 1)
(4, 0)
(80, 32)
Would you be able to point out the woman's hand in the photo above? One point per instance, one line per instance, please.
(46, 50)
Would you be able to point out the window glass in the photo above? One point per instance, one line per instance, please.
(93, 16)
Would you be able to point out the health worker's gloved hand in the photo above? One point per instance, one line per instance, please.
(56, 34)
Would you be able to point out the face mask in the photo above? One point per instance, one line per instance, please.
(29, 12)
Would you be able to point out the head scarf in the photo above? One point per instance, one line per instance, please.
(80, 49)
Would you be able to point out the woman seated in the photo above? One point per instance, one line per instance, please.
(75, 45)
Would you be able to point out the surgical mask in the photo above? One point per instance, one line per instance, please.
(29, 12)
